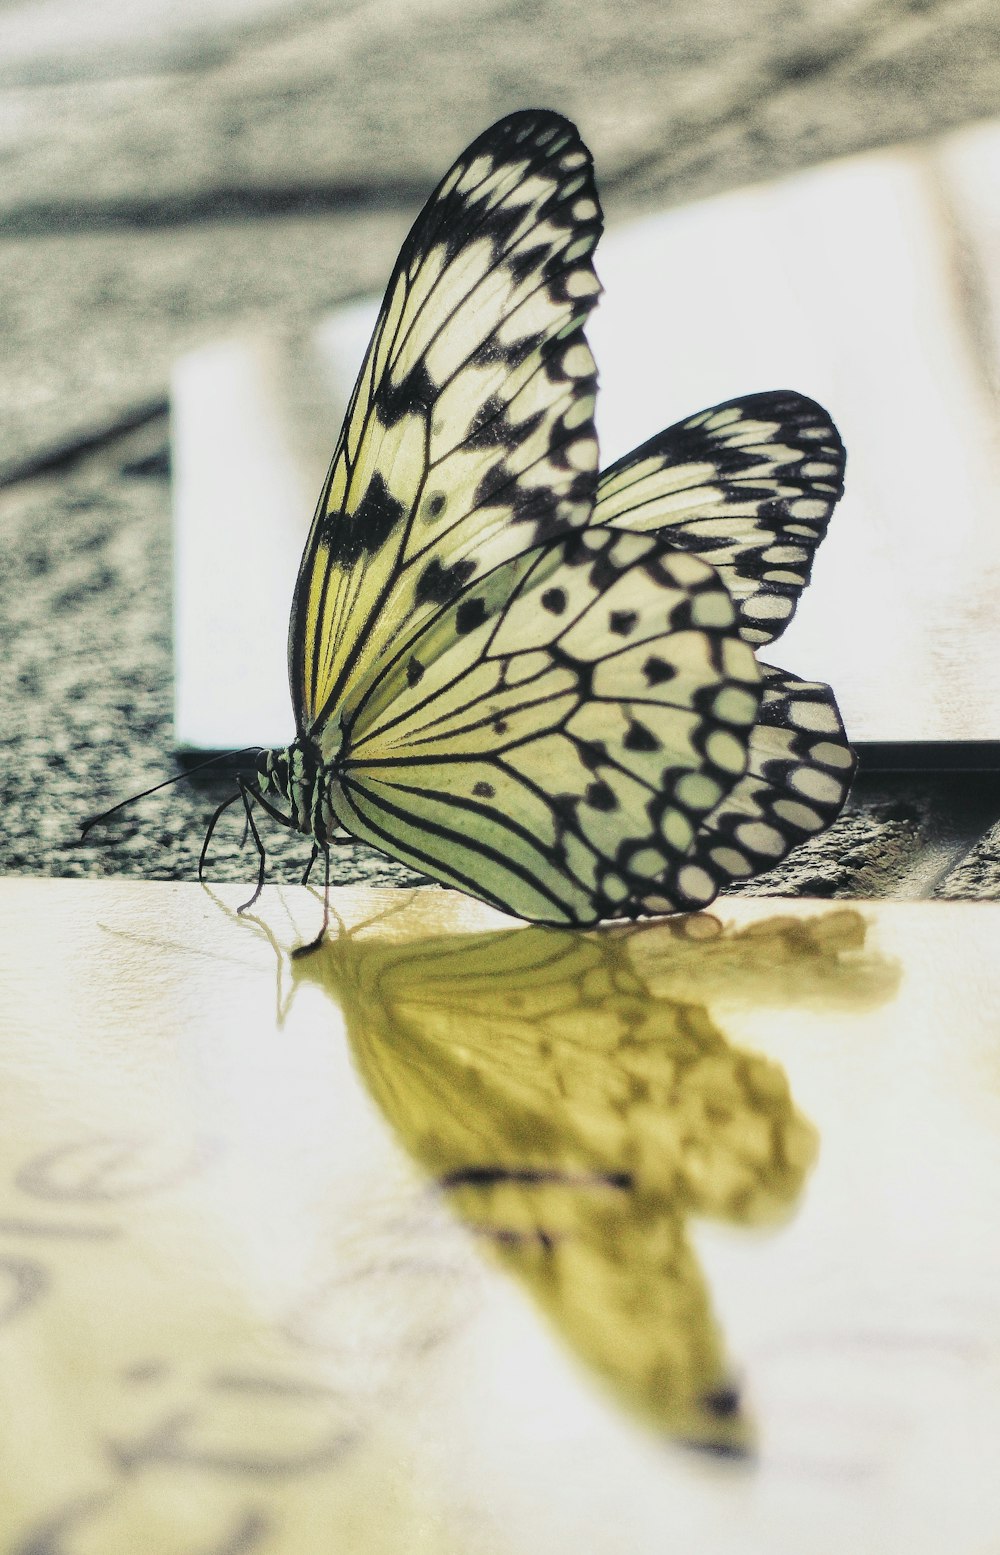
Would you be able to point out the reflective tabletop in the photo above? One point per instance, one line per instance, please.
(463, 1236)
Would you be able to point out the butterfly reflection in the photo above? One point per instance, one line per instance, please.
(577, 1103)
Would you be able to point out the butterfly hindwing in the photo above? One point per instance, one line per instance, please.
(470, 434)
(799, 771)
(551, 740)
(748, 485)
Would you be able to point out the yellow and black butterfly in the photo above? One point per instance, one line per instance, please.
(520, 677)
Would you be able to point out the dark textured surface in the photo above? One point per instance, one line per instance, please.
(148, 205)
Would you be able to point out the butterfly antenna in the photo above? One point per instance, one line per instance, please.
(98, 820)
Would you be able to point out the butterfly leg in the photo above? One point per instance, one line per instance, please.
(343, 841)
(208, 835)
(245, 794)
(314, 944)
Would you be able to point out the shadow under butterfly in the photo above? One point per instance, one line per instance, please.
(576, 1104)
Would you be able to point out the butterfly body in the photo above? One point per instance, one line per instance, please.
(294, 784)
(522, 678)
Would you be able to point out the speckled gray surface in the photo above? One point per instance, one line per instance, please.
(113, 258)
(86, 639)
(142, 209)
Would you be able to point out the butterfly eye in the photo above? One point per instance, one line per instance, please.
(273, 767)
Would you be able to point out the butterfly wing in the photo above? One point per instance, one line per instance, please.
(749, 486)
(470, 436)
(552, 739)
(798, 775)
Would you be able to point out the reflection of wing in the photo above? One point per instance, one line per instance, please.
(552, 741)
(749, 486)
(575, 1118)
(470, 436)
(787, 961)
(561, 1029)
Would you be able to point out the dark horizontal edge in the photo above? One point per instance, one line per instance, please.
(60, 456)
(873, 756)
(928, 756)
(222, 204)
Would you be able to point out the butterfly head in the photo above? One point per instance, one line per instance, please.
(273, 772)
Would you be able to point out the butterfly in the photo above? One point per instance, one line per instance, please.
(523, 678)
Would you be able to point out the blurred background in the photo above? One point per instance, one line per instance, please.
(177, 173)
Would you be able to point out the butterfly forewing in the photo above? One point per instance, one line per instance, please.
(552, 739)
(748, 485)
(470, 437)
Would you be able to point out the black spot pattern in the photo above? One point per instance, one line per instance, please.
(350, 536)
(600, 797)
(723, 1402)
(414, 672)
(734, 461)
(593, 754)
(523, 264)
(439, 585)
(491, 429)
(639, 738)
(470, 614)
(554, 601)
(414, 396)
(657, 670)
(563, 807)
(622, 622)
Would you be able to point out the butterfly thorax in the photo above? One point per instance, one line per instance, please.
(297, 780)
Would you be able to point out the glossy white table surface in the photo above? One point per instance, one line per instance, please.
(451, 1235)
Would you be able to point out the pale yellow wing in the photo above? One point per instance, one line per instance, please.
(749, 486)
(470, 434)
(799, 771)
(551, 741)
